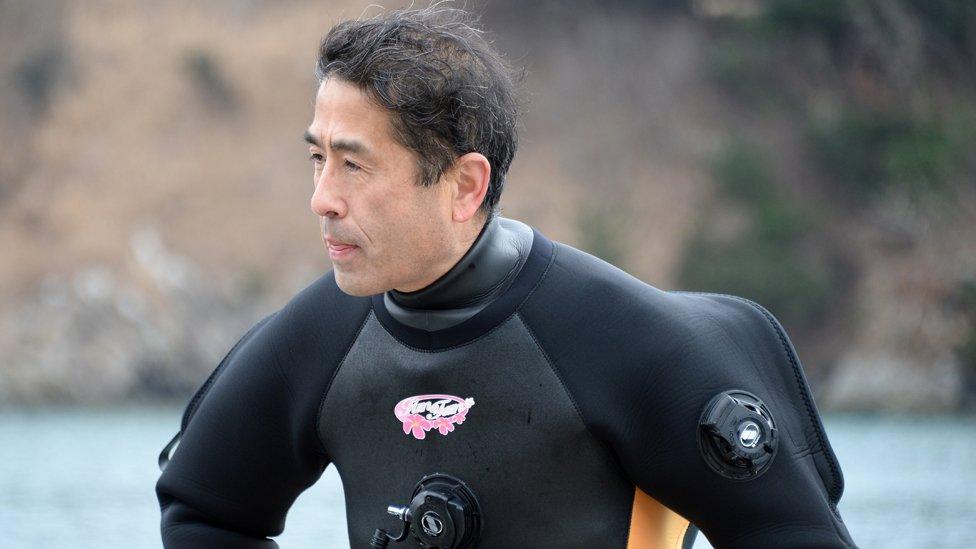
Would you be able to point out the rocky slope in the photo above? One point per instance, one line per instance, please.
(154, 188)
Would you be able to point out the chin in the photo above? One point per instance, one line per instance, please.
(356, 286)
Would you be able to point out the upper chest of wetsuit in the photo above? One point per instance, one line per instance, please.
(476, 399)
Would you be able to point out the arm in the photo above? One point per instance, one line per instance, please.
(725, 343)
(245, 456)
(184, 526)
(642, 364)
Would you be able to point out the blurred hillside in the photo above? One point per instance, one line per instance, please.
(817, 157)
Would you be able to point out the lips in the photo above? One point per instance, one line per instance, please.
(339, 249)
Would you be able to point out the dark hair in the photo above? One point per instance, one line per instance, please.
(449, 91)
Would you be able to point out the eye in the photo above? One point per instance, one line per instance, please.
(352, 167)
(317, 158)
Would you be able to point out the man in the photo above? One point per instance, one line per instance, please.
(557, 401)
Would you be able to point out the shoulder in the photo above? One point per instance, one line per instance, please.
(321, 301)
(588, 302)
(642, 364)
(320, 322)
(290, 352)
(627, 350)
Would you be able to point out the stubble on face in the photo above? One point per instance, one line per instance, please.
(403, 230)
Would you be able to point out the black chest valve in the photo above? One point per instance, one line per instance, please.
(443, 514)
(737, 435)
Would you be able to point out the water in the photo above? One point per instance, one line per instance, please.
(85, 478)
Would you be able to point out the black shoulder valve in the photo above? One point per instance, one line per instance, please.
(737, 435)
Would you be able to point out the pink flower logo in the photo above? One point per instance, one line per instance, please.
(422, 413)
(443, 425)
(416, 425)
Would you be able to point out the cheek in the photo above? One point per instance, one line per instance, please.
(413, 224)
(385, 217)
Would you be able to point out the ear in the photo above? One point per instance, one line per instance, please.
(472, 173)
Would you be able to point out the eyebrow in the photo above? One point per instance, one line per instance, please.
(348, 145)
(312, 139)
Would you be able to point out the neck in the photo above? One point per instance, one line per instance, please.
(461, 248)
(484, 272)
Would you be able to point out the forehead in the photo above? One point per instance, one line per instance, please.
(344, 110)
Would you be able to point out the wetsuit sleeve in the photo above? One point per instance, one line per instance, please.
(642, 364)
(245, 456)
(725, 343)
(252, 445)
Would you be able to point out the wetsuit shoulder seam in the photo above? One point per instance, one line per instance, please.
(572, 397)
(553, 368)
(325, 393)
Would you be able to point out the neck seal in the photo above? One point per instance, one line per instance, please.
(485, 271)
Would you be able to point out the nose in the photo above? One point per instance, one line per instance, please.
(326, 202)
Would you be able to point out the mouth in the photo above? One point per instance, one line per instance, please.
(339, 249)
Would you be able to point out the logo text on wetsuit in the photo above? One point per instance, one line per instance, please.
(422, 413)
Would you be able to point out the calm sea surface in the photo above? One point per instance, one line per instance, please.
(85, 477)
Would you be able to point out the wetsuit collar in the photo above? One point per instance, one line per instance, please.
(477, 293)
(488, 266)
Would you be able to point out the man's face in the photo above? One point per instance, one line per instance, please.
(381, 228)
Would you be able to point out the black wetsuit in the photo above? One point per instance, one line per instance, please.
(566, 393)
